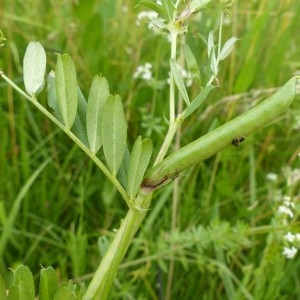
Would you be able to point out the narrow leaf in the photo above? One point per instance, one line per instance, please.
(197, 101)
(227, 48)
(196, 5)
(10, 223)
(213, 62)
(66, 89)
(210, 43)
(139, 160)
(34, 67)
(122, 173)
(179, 81)
(98, 96)
(51, 96)
(192, 63)
(114, 133)
(48, 284)
(168, 8)
(155, 7)
(79, 126)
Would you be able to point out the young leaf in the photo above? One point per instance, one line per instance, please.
(114, 133)
(179, 82)
(34, 67)
(213, 62)
(79, 126)
(66, 89)
(227, 48)
(168, 8)
(64, 293)
(210, 43)
(23, 285)
(51, 96)
(48, 284)
(192, 63)
(197, 101)
(122, 173)
(139, 160)
(155, 7)
(97, 98)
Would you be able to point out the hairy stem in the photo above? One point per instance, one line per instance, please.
(107, 270)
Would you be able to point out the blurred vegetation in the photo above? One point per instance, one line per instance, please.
(228, 241)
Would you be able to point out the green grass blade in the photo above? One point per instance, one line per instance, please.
(8, 227)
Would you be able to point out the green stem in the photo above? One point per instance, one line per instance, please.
(172, 122)
(103, 278)
(73, 137)
(222, 137)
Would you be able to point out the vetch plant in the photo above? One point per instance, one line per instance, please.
(97, 124)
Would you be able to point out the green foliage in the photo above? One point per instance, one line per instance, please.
(138, 163)
(34, 68)
(179, 82)
(97, 98)
(114, 133)
(48, 284)
(22, 286)
(229, 186)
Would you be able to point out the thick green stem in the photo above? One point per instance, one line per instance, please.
(222, 137)
(101, 283)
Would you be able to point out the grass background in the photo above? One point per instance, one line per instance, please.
(227, 240)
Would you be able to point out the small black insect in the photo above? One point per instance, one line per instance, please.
(237, 140)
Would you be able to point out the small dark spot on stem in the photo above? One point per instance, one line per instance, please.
(237, 140)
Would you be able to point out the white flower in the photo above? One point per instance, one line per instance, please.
(272, 177)
(289, 237)
(285, 210)
(297, 237)
(294, 177)
(148, 15)
(289, 252)
(288, 202)
(143, 71)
